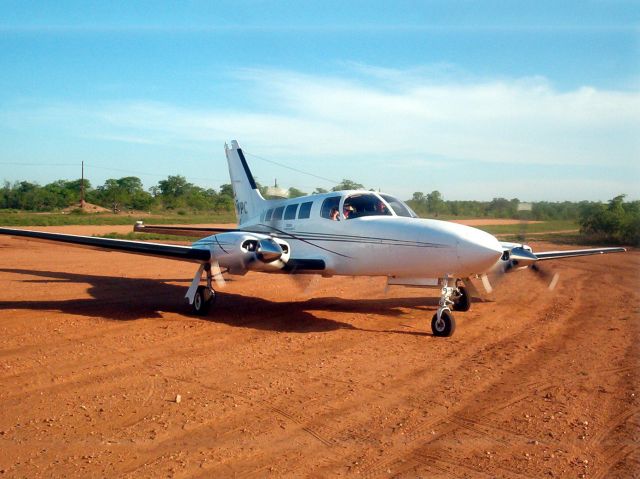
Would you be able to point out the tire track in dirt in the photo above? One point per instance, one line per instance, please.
(449, 424)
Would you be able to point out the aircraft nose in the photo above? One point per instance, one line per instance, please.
(477, 251)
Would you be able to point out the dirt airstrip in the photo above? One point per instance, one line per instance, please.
(322, 378)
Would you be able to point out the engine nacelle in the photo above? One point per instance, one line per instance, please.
(240, 252)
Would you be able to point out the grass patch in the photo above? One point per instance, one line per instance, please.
(21, 218)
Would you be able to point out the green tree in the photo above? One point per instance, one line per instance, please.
(226, 190)
(296, 193)
(617, 221)
(346, 184)
(435, 203)
(173, 191)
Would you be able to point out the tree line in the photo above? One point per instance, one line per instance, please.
(120, 194)
(617, 221)
(434, 205)
(128, 193)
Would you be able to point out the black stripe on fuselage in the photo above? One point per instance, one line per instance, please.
(291, 236)
(252, 182)
(337, 238)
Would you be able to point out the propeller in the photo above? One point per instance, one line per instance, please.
(522, 256)
(216, 274)
(518, 257)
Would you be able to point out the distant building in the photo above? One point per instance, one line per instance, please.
(276, 192)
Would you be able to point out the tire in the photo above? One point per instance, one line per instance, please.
(446, 326)
(462, 302)
(202, 301)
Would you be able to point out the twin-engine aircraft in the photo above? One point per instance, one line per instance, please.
(354, 233)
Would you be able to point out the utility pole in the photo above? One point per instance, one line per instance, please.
(82, 187)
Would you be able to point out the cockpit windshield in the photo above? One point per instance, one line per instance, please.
(399, 207)
(364, 204)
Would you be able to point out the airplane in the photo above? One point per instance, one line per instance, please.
(352, 233)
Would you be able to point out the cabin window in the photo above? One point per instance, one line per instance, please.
(305, 210)
(364, 204)
(330, 208)
(277, 213)
(290, 212)
(267, 216)
(398, 206)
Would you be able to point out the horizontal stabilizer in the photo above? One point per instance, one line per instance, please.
(191, 231)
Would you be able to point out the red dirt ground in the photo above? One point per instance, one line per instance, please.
(338, 379)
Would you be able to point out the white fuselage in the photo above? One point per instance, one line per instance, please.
(375, 244)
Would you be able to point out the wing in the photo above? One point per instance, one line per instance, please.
(546, 255)
(169, 251)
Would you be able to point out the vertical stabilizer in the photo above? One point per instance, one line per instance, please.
(248, 200)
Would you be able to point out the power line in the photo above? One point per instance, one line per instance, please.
(143, 173)
(97, 167)
(16, 163)
(293, 169)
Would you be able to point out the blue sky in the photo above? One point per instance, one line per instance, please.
(535, 100)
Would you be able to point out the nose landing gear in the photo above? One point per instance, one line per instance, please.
(454, 297)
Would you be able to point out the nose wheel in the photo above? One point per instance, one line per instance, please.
(443, 323)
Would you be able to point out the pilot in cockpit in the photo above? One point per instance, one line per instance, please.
(349, 211)
(381, 209)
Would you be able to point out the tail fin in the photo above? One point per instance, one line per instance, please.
(248, 200)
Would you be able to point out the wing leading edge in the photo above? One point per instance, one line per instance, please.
(169, 251)
(546, 255)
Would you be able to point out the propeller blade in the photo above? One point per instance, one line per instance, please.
(551, 277)
(216, 273)
(312, 284)
(485, 282)
(474, 292)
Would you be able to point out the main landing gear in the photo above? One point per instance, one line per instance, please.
(200, 297)
(454, 297)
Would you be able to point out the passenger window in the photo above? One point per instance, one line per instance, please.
(305, 210)
(277, 213)
(290, 212)
(330, 208)
(267, 216)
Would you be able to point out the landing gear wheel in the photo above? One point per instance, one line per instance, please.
(445, 326)
(203, 300)
(463, 301)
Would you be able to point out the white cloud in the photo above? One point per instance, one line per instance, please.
(518, 121)
(403, 116)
